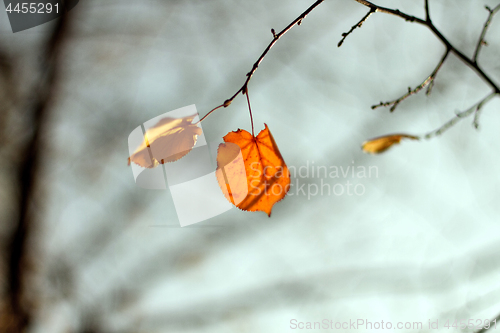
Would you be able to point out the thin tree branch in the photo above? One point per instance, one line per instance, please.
(396, 12)
(250, 111)
(427, 12)
(357, 25)
(210, 112)
(428, 81)
(475, 122)
(428, 23)
(276, 37)
(374, 9)
(476, 108)
(481, 41)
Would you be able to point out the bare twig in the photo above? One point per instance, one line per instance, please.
(250, 111)
(374, 8)
(276, 37)
(427, 12)
(428, 23)
(481, 41)
(396, 12)
(377, 9)
(428, 81)
(475, 122)
(357, 25)
(210, 112)
(459, 116)
(472, 63)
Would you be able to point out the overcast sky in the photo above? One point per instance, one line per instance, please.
(420, 242)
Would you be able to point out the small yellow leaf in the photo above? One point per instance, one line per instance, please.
(167, 141)
(382, 143)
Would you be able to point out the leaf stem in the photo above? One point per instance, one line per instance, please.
(250, 111)
(217, 107)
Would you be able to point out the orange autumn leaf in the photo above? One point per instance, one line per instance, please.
(167, 141)
(264, 178)
(382, 143)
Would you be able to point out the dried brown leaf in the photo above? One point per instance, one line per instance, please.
(382, 143)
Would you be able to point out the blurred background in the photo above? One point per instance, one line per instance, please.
(86, 250)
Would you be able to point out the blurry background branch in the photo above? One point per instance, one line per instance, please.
(7, 91)
(18, 309)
